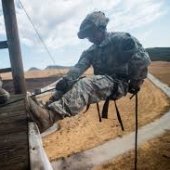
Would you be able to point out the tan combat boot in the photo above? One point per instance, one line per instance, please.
(4, 96)
(44, 118)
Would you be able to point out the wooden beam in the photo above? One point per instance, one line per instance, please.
(3, 44)
(5, 70)
(38, 157)
(14, 46)
(14, 145)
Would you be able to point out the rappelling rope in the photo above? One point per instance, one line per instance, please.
(136, 132)
(136, 95)
(36, 31)
(39, 36)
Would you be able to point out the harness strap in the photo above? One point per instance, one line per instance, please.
(98, 110)
(105, 115)
(87, 108)
(118, 116)
(105, 108)
(105, 112)
(136, 131)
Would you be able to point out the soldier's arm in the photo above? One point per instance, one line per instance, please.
(82, 65)
(135, 55)
(138, 60)
(138, 68)
(128, 47)
(138, 65)
(67, 81)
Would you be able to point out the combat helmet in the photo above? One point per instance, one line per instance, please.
(97, 19)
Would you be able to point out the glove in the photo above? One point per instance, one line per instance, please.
(134, 86)
(56, 96)
(61, 88)
(62, 85)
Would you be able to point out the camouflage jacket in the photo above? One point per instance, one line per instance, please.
(0, 83)
(119, 55)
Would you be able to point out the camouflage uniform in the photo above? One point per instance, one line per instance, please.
(118, 59)
(4, 95)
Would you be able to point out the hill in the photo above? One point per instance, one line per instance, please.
(159, 53)
(33, 69)
(57, 67)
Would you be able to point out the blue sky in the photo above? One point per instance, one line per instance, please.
(58, 22)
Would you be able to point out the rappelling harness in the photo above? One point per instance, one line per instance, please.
(104, 114)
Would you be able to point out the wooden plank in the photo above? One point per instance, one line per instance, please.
(14, 46)
(14, 151)
(3, 44)
(16, 103)
(5, 70)
(38, 157)
(14, 145)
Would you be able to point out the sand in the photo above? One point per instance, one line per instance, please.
(84, 131)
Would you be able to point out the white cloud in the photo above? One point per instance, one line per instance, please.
(2, 27)
(136, 14)
(58, 21)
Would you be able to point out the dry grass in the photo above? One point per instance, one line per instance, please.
(38, 73)
(153, 155)
(161, 70)
(84, 131)
(43, 73)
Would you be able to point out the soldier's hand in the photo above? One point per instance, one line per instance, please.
(56, 96)
(62, 85)
(135, 85)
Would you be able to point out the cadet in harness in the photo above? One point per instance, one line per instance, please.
(4, 95)
(120, 66)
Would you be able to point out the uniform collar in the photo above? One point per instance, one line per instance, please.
(105, 41)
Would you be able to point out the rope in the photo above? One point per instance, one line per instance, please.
(98, 110)
(35, 29)
(33, 95)
(136, 132)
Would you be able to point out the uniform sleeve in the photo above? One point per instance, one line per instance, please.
(127, 48)
(132, 52)
(82, 65)
(138, 65)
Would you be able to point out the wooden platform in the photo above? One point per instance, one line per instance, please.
(14, 144)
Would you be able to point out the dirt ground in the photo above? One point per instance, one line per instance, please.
(152, 155)
(38, 73)
(43, 73)
(161, 70)
(84, 131)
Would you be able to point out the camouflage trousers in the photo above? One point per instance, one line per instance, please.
(4, 96)
(86, 91)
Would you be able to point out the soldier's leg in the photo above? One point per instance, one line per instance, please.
(4, 96)
(85, 91)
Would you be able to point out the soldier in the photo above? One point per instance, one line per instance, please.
(4, 95)
(120, 66)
